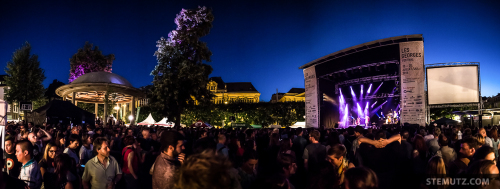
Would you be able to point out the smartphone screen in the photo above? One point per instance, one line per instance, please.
(83, 165)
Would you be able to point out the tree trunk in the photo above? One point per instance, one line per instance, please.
(178, 118)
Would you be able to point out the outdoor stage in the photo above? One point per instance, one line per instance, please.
(364, 84)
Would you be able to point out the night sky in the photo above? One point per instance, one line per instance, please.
(252, 41)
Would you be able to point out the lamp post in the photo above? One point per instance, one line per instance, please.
(116, 108)
(130, 118)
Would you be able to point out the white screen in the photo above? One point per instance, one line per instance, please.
(457, 84)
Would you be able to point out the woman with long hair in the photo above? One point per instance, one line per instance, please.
(435, 169)
(495, 140)
(48, 157)
(58, 179)
(436, 166)
(60, 142)
(420, 155)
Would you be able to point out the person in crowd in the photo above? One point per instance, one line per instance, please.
(484, 169)
(239, 148)
(287, 164)
(7, 181)
(130, 168)
(332, 140)
(48, 158)
(102, 171)
(86, 151)
(448, 154)
(337, 157)
(13, 165)
(248, 169)
(436, 166)
(130, 132)
(325, 178)
(71, 149)
(358, 132)
(487, 140)
(432, 143)
(406, 147)
(286, 147)
(90, 130)
(299, 143)
(314, 152)
(360, 178)
(383, 158)
(480, 139)
(30, 172)
(221, 146)
(484, 152)
(495, 141)
(58, 179)
(420, 154)
(467, 149)
(169, 160)
(205, 170)
(60, 142)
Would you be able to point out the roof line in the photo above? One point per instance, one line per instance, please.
(357, 48)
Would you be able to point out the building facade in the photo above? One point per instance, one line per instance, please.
(293, 95)
(236, 92)
(13, 112)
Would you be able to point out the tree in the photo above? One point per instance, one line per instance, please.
(50, 93)
(181, 76)
(89, 59)
(24, 77)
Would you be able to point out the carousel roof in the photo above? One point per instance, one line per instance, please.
(102, 77)
(92, 87)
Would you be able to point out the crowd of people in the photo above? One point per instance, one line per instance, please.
(119, 156)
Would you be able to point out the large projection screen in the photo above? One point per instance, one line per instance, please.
(453, 84)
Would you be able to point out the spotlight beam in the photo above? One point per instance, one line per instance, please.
(376, 90)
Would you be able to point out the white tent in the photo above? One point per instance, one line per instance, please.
(164, 123)
(148, 121)
(275, 126)
(299, 124)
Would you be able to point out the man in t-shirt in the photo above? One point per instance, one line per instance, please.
(30, 171)
(314, 153)
(13, 166)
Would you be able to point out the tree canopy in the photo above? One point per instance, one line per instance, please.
(181, 76)
(25, 76)
(89, 59)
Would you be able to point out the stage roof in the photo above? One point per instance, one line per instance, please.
(364, 46)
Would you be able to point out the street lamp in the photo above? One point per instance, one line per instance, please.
(130, 118)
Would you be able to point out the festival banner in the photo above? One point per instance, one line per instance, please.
(311, 87)
(412, 71)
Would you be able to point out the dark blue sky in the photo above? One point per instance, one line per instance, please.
(252, 41)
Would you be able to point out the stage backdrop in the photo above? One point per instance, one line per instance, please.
(413, 109)
(311, 86)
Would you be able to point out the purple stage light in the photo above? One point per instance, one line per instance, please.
(361, 90)
(346, 115)
(369, 88)
(352, 93)
(360, 112)
(376, 90)
(373, 104)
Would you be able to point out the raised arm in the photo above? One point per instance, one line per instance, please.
(48, 136)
